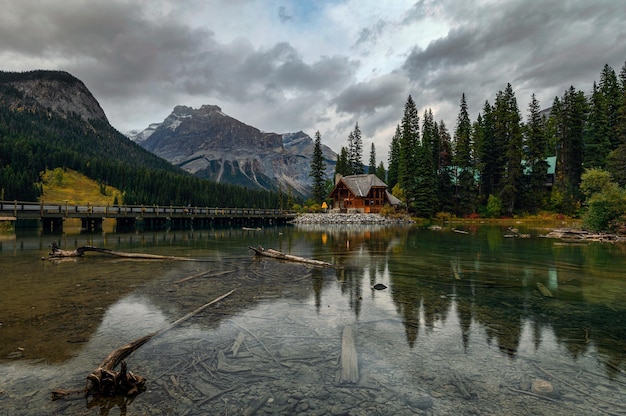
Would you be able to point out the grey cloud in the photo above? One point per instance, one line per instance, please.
(368, 36)
(539, 47)
(369, 97)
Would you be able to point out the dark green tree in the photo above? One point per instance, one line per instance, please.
(372, 166)
(465, 189)
(620, 127)
(355, 151)
(491, 155)
(394, 159)
(425, 174)
(409, 144)
(318, 167)
(598, 132)
(508, 127)
(343, 165)
(609, 87)
(445, 188)
(570, 114)
(536, 153)
(381, 173)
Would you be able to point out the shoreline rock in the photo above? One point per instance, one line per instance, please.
(352, 218)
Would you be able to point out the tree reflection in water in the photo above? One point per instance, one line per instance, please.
(496, 290)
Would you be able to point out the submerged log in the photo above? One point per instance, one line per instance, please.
(105, 381)
(268, 252)
(349, 363)
(57, 253)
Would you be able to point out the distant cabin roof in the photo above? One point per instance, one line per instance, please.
(360, 185)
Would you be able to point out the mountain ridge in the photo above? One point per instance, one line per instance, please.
(211, 144)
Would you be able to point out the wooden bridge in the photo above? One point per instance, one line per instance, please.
(147, 216)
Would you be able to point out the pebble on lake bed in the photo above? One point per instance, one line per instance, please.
(542, 387)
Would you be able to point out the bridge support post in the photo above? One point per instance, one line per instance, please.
(52, 225)
(91, 224)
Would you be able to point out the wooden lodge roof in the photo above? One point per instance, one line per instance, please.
(361, 185)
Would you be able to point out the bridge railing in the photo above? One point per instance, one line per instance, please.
(44, 209)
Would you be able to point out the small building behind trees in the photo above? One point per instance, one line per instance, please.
(362, 193)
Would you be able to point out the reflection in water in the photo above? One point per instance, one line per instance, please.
(489, 283)
(461, 313)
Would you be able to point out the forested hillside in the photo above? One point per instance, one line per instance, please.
(33, 138)
(498, 164)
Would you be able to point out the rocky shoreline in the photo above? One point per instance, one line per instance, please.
(351, 218)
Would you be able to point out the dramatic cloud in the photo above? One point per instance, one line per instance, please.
(289, 65)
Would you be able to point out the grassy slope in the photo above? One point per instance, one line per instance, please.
(68, 185)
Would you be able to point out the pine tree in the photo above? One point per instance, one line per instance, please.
(372, 166)
(620, 127)
(355, 151)
(318, 167)
(409, 144)
(598, 132)
(536, 145)
(508, 122)
(610, 89)
(490, 155)
(445, 190)
(570, 115)
(465, 184)
(394, 159)
(381, 173)
(343, 165)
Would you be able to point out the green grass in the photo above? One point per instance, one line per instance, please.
(61, 185)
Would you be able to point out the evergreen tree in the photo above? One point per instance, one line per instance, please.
(508, 127)
(318, 167)
(409, 143)
(424, 182)
(462, 159)
(610, 89)
(394, 159)
(490, 154)
(343, 165)
(570, 115)
(381, 173)
(445, 189)
(598, 132)
(355, 151)
(372, 166)
(620, 127)
(425, 175)
(536, 152)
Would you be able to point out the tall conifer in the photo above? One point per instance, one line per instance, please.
(318, 167)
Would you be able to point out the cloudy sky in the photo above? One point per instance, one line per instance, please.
(290, 65)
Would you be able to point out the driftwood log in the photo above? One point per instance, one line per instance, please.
(349, 362)
(105, 381)
(57, 253)
(275, 254)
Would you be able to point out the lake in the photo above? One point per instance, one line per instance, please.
(460, 328)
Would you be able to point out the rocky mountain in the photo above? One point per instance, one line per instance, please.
(213, 145)
(55, 91)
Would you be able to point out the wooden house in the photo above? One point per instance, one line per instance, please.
(363, 193)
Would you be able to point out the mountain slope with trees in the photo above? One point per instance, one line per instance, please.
(71, 131)
(498, 164)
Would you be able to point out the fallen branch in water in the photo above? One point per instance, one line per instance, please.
(57, 253)
(203, 274)
(105, 381)
(268, 252)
